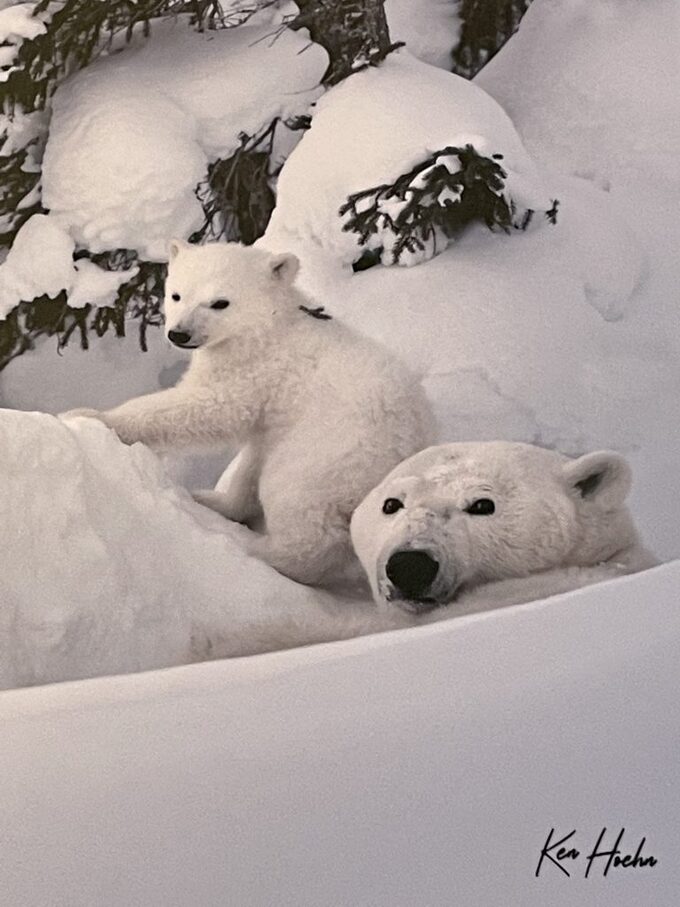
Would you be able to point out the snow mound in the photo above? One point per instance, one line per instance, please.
(108, 567)
(592, 86)
(40, 263)
(377, 125)
(153, 116)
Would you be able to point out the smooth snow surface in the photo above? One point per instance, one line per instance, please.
(132, 134)
(429, 28)
(592, 86)
(424, 767)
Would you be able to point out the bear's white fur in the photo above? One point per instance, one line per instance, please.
(495, 522)
(558, 524)
(320, 413)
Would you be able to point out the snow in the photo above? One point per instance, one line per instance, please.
(592, 87)
(153, 116)
(436, 109)
(429, 28)
(40, 263)
(18, 22)
(419, 767)
(127, 572)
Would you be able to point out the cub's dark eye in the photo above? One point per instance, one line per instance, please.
(482, 507)
(391, 505)
(175, 297)
(220, 304)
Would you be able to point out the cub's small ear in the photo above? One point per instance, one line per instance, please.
(284, 267)
(603, 477)
(175, 247)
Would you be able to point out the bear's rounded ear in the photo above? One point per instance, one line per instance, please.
(603, 477)
(284, 267)
(175, 246)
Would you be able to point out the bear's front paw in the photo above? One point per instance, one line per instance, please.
(83, 412)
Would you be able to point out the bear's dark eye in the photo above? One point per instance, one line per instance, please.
(175, 297)
(391, 505)
(220, 304)
(481, 507)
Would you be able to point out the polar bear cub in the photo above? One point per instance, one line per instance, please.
(495, 522)
(320, 414)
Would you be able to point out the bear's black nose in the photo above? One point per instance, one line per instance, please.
(411, 572)
(179, 338)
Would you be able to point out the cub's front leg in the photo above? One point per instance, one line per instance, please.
(169, 418)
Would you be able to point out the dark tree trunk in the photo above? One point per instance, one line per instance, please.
(486, 26)
(354, 32)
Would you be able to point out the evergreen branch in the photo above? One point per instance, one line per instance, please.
(436, 199)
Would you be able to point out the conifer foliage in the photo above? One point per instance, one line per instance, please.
(414, 217)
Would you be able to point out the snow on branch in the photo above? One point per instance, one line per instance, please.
(413, 218)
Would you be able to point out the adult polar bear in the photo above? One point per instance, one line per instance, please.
(495, 522)
(321, 414)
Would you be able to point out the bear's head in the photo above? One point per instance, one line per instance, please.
(458, 515)
(223, 291)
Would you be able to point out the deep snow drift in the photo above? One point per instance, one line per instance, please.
(424, 767)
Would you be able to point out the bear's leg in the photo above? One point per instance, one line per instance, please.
(310, 546)
(236, 495)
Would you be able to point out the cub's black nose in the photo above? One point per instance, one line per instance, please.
(179, 338)
(412, 572)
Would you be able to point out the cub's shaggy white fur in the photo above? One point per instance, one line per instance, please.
(320, 413)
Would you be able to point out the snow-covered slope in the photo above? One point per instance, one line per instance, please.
(424, 767)
(592, 87)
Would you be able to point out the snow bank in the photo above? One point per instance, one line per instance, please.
(362, 137)
(107, 566)
(424, 767)
(153, 116)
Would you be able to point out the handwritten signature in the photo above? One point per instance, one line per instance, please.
(555, 852)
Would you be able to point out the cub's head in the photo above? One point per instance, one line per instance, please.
(222, 291)
(459, 515)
